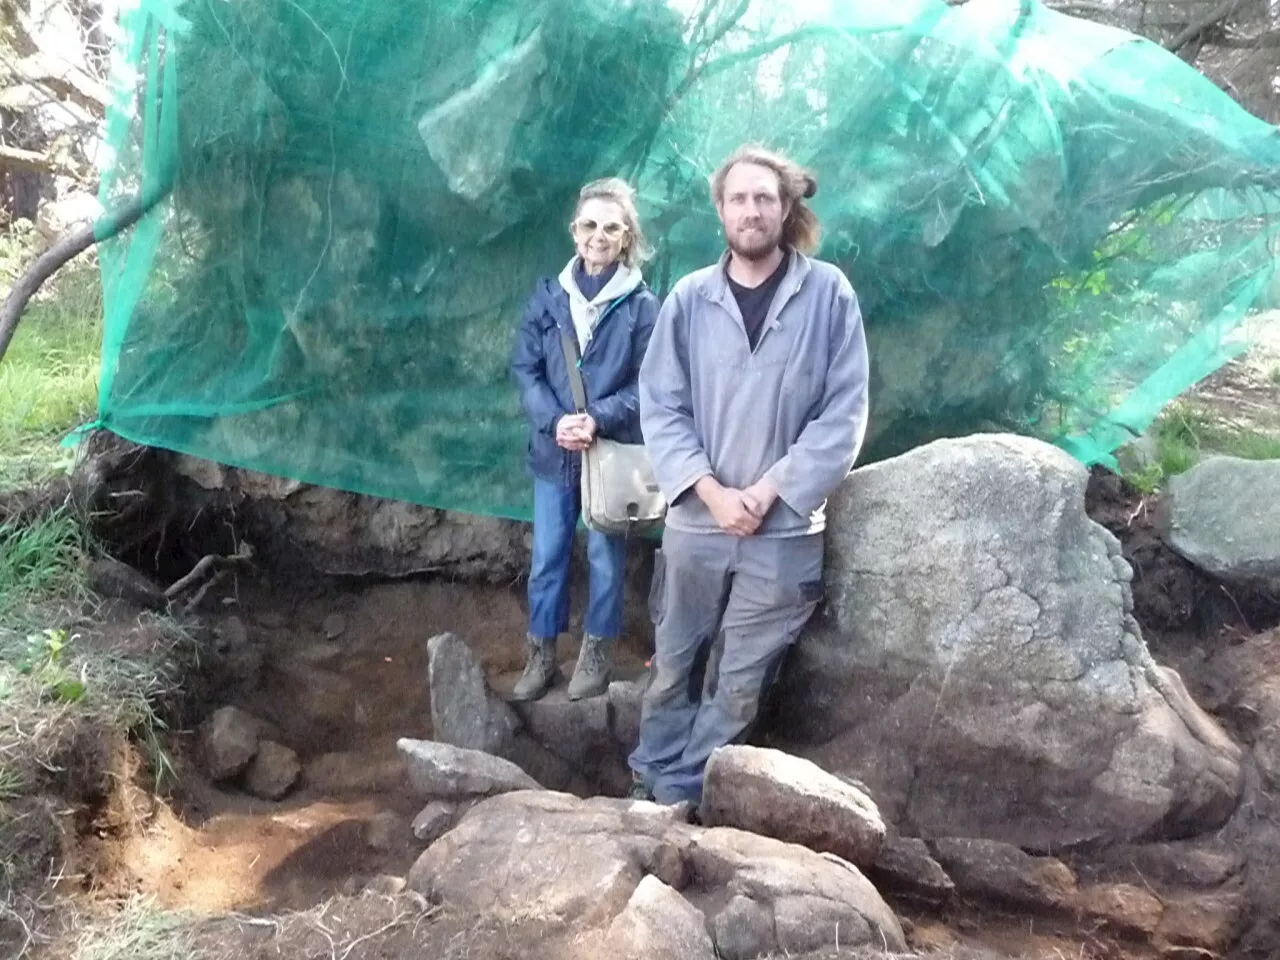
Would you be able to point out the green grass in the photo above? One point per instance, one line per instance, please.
(1184, 435)
(40, 563)
(49, 377)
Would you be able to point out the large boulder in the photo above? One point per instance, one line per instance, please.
(1221, 515)
(977, 664)
(580, 862)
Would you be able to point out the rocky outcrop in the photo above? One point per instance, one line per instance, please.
(580, 863)
(978, 666)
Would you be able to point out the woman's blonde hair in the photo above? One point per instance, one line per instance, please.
(795, 184)
(636, 249)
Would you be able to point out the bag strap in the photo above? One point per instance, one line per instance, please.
(570, 344)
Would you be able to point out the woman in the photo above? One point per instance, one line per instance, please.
(600, 298)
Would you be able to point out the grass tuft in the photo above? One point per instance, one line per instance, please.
(49, 378)
(139, 931)
(40, 562)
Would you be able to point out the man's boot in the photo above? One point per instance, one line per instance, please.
(591, 674)
(540, 670)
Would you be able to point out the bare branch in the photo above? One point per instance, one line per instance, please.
(65, 80)
(68, 246)
(1210, 19)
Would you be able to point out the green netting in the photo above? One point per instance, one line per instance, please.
(1054, 227)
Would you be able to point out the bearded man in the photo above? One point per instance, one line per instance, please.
(753, 408)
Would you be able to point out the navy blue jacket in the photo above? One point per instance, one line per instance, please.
(610, 372)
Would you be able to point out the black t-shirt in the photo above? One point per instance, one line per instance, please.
(754, 302)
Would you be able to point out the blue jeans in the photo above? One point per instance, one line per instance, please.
(556, 510)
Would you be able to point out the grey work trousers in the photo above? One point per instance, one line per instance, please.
(758, 593)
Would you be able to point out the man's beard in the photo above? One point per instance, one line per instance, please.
(760, 247)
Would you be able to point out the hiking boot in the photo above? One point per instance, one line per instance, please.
(591, 674)
(638, 790)
(540, 669)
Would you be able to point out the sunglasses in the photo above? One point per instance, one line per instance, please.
(585, 227)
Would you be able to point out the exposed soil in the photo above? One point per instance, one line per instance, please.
(338, 671)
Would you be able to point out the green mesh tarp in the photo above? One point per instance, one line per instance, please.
(1054, 227)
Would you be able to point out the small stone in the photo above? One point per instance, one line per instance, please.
(443, 771)
(658, 922)
(334, 625)
(229, 740)
(1002, 872)
(385, 832)
(904, 864)
(272, 619)
(434, 820)
(1124, 907)
(109, 577)
(273, 772)
(384, 885)
(782, 796)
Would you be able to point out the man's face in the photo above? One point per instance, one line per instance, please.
(752, 211)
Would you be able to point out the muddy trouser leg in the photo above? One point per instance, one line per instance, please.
(775, 588)
(694, 572)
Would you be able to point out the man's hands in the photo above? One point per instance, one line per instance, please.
(760, 496)
(575, 431)
(738, 512)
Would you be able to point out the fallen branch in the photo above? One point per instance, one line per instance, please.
(71, 244)
(1210, 19)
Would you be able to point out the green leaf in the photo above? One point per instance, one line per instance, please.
(69, 691)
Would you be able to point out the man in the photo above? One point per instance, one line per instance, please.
(753, 406)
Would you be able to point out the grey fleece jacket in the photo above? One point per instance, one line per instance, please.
(795, 408)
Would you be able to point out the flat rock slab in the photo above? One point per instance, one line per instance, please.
(463, 712)
(445, 772)
(580, 862)
(1221, 516)
(782, 796)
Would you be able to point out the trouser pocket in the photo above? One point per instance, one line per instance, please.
(658, 588)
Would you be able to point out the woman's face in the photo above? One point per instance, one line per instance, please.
(599, 233)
